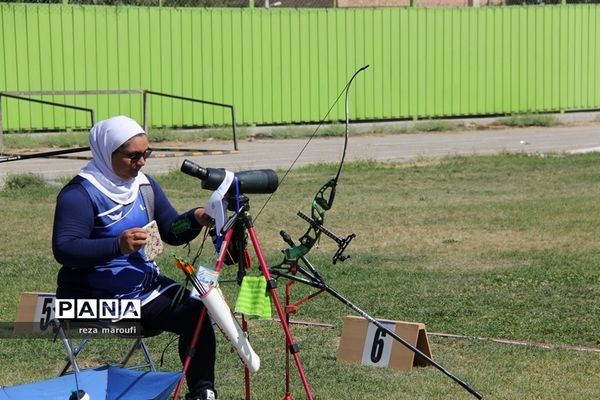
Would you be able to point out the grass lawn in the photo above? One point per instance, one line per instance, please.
(501, 247)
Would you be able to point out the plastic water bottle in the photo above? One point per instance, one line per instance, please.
(79, 395)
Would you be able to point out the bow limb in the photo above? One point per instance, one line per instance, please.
(347, 118)
(323, 200)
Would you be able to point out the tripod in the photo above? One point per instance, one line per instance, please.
(240, 223)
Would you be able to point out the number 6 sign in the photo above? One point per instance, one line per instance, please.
(365, 343)
(378, 345)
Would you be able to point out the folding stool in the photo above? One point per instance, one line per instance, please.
(73, 352)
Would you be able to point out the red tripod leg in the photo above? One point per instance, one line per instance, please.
(194, 343)
(246, 370)
(292, 346)
(188, 358)
(219, 266)
(288, 297)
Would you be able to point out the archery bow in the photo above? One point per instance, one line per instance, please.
(323, 200)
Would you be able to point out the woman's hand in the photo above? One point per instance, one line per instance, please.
(203, 218)
(132, 240)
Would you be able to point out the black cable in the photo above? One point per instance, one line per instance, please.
(162, 355)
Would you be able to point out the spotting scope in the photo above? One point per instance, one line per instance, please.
(253, 181)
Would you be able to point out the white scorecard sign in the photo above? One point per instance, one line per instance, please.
(378, 345)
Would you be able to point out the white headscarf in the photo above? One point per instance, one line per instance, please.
(105, 137)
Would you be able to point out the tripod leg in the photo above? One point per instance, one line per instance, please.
(288, 296)
(201, 319)
(246, 370)
(271, 285)
(188, 358)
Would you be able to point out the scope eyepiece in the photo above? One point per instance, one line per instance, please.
(191, 168)
(252, 181)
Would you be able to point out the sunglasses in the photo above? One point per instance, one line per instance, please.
(135, 156)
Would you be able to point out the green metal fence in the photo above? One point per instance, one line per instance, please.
(287, 66)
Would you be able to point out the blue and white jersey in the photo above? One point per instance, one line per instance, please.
(87, 225)
(129, 275)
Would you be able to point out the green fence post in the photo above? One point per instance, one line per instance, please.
(250, 3)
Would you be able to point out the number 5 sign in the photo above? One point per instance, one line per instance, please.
(35, 312)
(363, 342)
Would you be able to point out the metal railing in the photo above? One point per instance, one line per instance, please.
(25, 96)
(211, 103)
